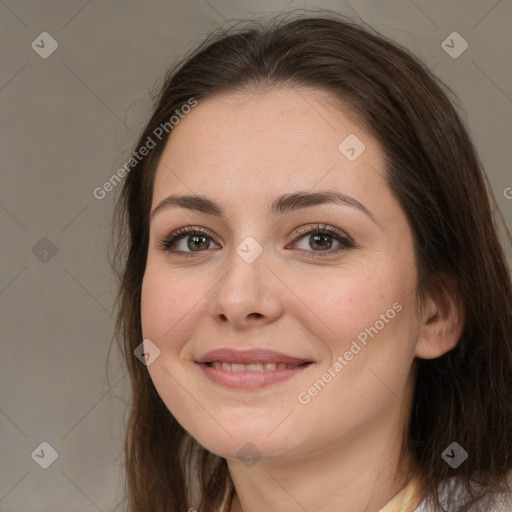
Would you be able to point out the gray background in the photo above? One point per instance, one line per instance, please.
(68, 123)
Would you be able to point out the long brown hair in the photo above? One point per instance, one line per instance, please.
(434, 173)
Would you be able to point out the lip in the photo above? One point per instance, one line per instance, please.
(250, 379)
(257, 355)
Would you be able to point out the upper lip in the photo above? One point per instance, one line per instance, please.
(229, 355)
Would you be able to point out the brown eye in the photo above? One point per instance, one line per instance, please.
(319, 240)
(191, 240)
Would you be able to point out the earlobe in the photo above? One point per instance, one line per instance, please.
(442, 323)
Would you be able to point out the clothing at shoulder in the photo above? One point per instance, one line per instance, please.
(503, 504)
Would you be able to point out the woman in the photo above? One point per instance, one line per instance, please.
(313, 284)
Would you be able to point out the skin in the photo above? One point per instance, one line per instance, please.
(340, 450)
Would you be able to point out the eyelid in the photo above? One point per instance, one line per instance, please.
(166, 242)
(339, 235)
(309, 229)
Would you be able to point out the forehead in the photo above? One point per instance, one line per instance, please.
(279, 139)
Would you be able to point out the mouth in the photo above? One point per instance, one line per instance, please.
(251, 367)
(254, 368)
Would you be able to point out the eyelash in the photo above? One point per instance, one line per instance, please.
(167, 243)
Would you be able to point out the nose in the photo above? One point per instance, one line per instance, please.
(248, 294)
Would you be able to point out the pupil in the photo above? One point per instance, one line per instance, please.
(196, 244)
(321, 237)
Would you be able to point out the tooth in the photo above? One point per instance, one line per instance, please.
(251, 367)
(254, 367)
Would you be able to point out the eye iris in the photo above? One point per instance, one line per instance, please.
(322, 238)
(195, 245)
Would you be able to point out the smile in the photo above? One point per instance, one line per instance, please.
(251, 367)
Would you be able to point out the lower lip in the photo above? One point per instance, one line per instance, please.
(249, 380)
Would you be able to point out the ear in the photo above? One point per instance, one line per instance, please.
(441, 321)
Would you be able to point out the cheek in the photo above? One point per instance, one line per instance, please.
(167, 305)
(349, 301)
(368, 325)
(168, 315)
(366, 315)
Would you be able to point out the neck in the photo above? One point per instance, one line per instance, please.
(361, 475)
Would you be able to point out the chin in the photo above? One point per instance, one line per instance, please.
(251, 444)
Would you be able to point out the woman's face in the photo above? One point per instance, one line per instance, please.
(326, 322)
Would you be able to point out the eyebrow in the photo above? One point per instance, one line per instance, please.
(280, 205)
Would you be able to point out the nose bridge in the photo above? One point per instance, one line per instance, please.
(250, 236)
(248, 288)
(247, 262)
